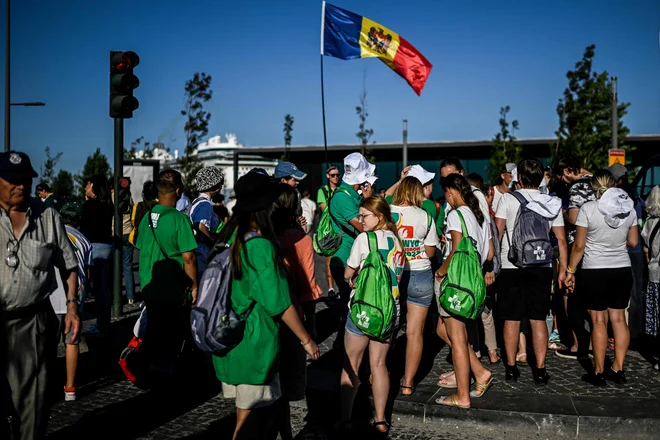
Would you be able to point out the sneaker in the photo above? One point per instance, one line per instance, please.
(567, 354)
(554, 336)
(69, 394)
(331, 293)
(131, 302)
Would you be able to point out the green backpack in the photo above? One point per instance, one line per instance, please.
(326, 240)
(464, 289)
(372, 306)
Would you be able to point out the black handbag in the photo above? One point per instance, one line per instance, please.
(169, 282)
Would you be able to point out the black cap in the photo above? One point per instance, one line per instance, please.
(43, 186)
(255, 192)
(15, 165)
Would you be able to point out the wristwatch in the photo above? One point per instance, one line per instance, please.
(74, 300)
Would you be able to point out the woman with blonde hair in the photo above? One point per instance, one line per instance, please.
(417, 230)
(605, 229)
(651, 238)
(375, 217)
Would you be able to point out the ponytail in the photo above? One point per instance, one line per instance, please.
(458, 183)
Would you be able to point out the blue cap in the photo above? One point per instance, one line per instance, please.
(284, 169)
(15, 166)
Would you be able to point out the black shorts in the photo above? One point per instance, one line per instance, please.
(524, 293)
(602, 289)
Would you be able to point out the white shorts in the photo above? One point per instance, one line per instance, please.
(253, 396)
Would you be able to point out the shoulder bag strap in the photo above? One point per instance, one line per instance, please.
(151, 226)
(652, 238)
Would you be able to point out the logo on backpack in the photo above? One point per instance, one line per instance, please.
(455, 302)
(363, 319)
(529, 244)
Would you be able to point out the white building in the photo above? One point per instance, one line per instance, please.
(215, 152)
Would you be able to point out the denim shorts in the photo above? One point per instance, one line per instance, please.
(352, 328)
(416, 287)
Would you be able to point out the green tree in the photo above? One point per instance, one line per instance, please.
(364, 135)
(63, 185)
(504, 149)
(97, 163)
(585, 115)
(48, 168)
(288, 129)
(197, 93)
(137, 145)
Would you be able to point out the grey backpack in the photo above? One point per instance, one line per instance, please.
(529, 245)
(216, 328)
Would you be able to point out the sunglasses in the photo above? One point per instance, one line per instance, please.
(12, 254)
(334, 175)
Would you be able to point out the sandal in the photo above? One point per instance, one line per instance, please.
(610, 343)
(449, 380)
(497, 357)
(450, 401)
(481, 388)
(405, 387)
(376, 425)
(519, 358)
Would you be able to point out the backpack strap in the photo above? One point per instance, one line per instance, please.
(523, 204)
(326, 193)
(463, 227)
(345, 229)
(373, 241)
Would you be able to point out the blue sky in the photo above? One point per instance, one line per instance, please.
(264, 60)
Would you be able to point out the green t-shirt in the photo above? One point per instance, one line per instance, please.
(255, 359)
(174, 233)
(321, 195)
(344, 208)
(430, 207)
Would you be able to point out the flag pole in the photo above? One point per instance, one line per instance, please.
(325, 137)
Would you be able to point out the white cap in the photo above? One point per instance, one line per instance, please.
(357, 169)
(421, 174)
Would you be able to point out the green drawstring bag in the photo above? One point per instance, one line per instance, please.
(372, 306)
(464, 289)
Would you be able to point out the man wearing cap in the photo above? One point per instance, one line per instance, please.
(637, 301)
(503, 183)
(168, 269)
(322, 198)
(205, 222)
(45, 193)
(34, 245)
(344, 206)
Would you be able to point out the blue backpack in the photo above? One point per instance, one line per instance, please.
(216, 328)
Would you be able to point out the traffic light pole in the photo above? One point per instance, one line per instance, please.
(118, 239)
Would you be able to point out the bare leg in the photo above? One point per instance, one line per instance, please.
(441, 330)
(522, 348)
(539, 340)
(71, 355)
(328, 275)
(354, 347)
(381, 378)
(241, 417)
(461, 357)
(599, 338)
(621, 337)
(415, 318)
(489, 335)
(511, 339)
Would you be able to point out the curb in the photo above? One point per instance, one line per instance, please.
(554, 415)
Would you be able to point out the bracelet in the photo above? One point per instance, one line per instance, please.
(73, 300)
(569, 270)
(309, 339)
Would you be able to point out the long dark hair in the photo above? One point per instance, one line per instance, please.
(284, 210)
(458, 183)
(242, 223)
(101, 188)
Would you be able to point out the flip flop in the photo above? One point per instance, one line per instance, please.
(450, 401)
(447, 374)
(499, 359)
(450, 380)
(519, 356)
(481, 388)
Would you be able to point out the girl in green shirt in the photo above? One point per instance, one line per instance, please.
(250, 371)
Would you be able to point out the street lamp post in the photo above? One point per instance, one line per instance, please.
(7, 97)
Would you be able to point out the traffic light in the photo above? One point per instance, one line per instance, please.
(123, 196)
(122, 84)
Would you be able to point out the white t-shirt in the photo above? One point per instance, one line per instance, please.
(607, 247)
(480, 235)
(308, 210)
(497, 196)
(413, 226)
(508, 210)
(483, 204)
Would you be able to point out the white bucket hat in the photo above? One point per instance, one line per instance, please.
(357, 169)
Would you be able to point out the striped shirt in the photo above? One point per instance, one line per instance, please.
(42, 246)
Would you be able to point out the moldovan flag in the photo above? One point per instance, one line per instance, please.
(349, 36)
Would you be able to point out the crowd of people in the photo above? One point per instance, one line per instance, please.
(560, 245)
